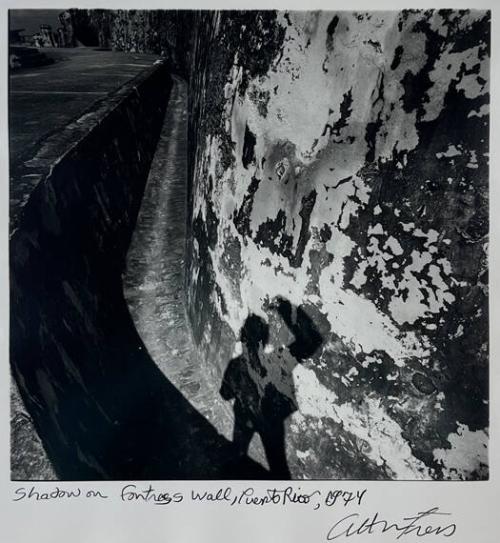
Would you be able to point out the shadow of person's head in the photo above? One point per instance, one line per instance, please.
(255, 332)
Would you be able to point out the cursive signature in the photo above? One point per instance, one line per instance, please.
(418, 525)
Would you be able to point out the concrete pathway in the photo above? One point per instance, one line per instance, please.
(44, 99)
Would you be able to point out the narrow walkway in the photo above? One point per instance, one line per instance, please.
(45, 99)
(154, 280)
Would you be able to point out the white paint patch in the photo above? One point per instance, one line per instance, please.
(483, 111)
(359, 276)
(467, 454)
(422, 299)
(376, 230)
(450, 152)
(303, 454)
(394, 246)
(237, 349)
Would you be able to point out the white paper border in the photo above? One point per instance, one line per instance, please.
(474, 505)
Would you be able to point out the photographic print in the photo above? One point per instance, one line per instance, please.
(249, 244)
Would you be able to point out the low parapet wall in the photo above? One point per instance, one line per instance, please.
(73, 209)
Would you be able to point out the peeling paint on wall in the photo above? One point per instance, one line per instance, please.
(346, 171)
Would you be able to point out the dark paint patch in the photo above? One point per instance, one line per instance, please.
(248, 155)
(422, 383)
(305, 233)
(330, 31)
(212, 224)
(242, 218)
(325, 234)
(398, 53)
(345, 113)
(271, 234)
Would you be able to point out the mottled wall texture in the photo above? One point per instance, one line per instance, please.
(339, 195)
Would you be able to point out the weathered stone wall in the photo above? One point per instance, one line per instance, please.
(73, 345)
(339, 195)
(161, 32)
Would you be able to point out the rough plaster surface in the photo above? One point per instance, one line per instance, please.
(341, 163)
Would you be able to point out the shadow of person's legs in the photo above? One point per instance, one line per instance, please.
(243, 428)
(273, 441)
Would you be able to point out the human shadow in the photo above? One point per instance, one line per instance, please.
(101, 406)
(259, 406)
(99, 403)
